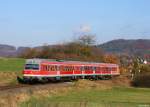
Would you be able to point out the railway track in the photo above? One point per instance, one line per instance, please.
(9, 87)
(38, 85)
(21, 86)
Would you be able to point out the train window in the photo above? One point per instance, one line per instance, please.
(71, 68)
(32, 66)
(77, 68)
(87, 68)
(105, 69)
(68, 68)
(98, 68)
(61, 68)
(57, 67)
(47, 68)
(82, 68)
(52, 68)
(114, 69)
(94, 68)
(102, 68)
(109, 68)
(43, 67)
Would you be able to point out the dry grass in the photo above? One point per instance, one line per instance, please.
(121, 81)
(8, 78)
(82, 84)
(104, 84)
(12, 99)
(17, 96)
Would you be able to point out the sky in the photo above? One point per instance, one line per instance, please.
(38, 22)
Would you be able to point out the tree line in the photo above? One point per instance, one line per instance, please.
(82, 49)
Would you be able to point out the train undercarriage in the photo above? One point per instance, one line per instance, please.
(34, 80)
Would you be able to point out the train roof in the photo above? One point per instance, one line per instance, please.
(55, 61)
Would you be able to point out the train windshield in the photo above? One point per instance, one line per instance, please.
(32, 66)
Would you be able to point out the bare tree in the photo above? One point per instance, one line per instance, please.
(87, 39)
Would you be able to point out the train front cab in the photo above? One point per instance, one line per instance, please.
(30, 72)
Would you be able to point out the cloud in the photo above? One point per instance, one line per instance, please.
(85, 28)
(82, 29)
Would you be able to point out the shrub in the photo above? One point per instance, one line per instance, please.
(142, 80)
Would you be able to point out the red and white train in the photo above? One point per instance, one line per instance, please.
(53, 70)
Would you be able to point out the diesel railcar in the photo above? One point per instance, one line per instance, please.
(58, 70)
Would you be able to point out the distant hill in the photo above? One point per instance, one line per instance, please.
(7, 50)
(138, 47)
(10, 51)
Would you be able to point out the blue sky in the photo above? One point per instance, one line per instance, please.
(35, 22)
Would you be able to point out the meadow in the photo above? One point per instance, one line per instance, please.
(115, 97)
(10, 68)
(11, 64)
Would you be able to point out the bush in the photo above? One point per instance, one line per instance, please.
(142, 80)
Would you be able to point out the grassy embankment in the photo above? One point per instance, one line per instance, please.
(115, 97)
(9, 69)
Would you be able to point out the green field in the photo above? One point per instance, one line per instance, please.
(115, 97)
(10, 68)
(11, 64)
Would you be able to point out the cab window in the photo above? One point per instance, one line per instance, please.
(32, 66)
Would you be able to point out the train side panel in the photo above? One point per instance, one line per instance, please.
(63, 69)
